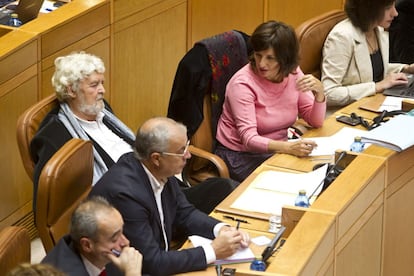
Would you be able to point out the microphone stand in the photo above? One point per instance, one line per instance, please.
(340, 157)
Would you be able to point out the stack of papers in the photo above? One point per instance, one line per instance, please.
(271, 190)
(394, 134)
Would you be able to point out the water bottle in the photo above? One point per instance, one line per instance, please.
(302, 200)
(357, 145)
(258, 265)
(14, 20)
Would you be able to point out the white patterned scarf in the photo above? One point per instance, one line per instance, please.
(69, 120)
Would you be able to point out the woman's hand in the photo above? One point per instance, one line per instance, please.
(300, 147)
(309, 82)
(409, 69)
(391, 80)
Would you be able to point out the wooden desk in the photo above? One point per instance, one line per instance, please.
(351, 228)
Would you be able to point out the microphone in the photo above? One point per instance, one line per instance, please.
(340, 157)
(268, 251)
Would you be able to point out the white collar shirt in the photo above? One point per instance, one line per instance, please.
(91, 268)
(113, 145)
(157, 188)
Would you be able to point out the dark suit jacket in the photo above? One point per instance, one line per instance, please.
(51, 136)
(127, 187)
(65, 257)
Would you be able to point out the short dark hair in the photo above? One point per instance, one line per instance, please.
(84, 220)
(363, 13)
(282, 39)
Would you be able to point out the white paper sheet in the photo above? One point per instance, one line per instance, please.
(341, 140)
(242, 255)
(271, 190)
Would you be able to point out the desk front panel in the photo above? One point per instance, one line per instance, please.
(399, 222)
(309, 249)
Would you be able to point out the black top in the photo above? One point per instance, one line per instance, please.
(377, 66)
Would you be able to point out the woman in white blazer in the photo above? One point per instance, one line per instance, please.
(356, 53)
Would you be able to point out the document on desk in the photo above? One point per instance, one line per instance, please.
(395, 134)
(390, 103)
(243, 255)
(341, 140)
(271, 190)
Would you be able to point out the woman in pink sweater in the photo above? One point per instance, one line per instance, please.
(265, 98)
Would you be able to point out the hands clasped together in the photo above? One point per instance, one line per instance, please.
(229, 241)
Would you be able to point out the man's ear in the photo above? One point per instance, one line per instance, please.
(155, 158)
(86, 245)
(71, 93)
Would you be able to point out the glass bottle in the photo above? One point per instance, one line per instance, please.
(357, 145)
(302, 200)
(275, 222)
(14, 20)
(258, 265)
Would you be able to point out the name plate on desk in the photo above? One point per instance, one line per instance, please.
(271, 190)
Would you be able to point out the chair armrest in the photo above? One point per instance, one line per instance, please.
(216, 160)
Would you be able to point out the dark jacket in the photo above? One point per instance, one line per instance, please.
(65, 257)
(192, 78)
(51, 136)
(127, 187)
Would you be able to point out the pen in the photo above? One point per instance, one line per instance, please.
(235, 219)
(218, 270)
(294, 133)
(238, 225)
(116, 252)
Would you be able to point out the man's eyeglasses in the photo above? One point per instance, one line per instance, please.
(178, 154)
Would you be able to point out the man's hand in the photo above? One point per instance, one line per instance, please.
(129, 262)
(229, 241)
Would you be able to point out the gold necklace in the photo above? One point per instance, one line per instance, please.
(374, 46)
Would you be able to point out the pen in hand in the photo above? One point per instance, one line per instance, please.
(238, 225)
(295, 135)
(218, 270)
(116, 252)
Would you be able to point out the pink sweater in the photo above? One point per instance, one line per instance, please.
(256, 111)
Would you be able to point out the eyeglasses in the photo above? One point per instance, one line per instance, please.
(178, 154)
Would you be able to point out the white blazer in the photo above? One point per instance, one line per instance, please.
(346, 64)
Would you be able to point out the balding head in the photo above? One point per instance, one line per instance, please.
(155, 135)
